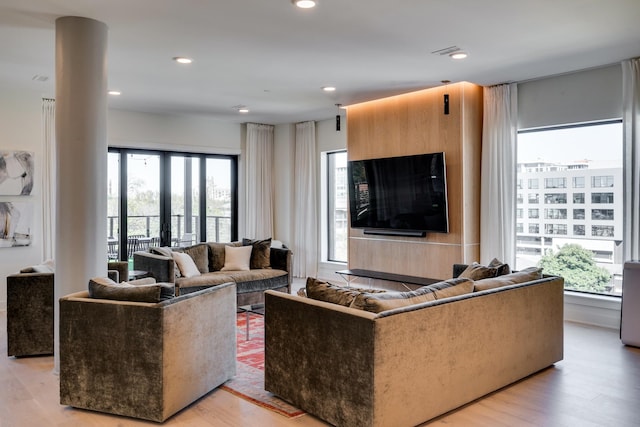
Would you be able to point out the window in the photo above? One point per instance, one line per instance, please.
(605, 214)
(555, 214)
(519, 185)
(519, 213)
(601, 181)
(555, 183)
(601, 197)
(595, 226)
(533, 183)
(160, 198)
(534, 228)
(337, 197)
(555, 198)
(519, 227)
(533, 198)
(533, 213)
(578, 182)
(519, 199)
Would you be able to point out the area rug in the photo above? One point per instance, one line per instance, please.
(249, 380)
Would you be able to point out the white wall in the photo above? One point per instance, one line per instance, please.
(20, 129)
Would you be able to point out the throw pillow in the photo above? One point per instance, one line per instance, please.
(478, 271)
(237, 258)
(104, 288)
(525, 275)
(216, 254)
(452, 287)
(200, 255)
(325, 291)
(377, 303)
(187, 266)
(260, 254)
(168, 252)
(501, 266)
(38, 268)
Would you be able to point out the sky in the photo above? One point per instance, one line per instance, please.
(601, 145)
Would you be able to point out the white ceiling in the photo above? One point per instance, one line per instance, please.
(274, 58)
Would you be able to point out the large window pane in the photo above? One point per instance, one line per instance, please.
(113, 206)
(143, 201)
(219, 200)
(582, 238)
(337, 206)
(185, 200)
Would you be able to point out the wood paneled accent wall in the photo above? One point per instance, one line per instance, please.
(415, 123)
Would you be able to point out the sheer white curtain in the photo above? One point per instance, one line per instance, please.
(305, 247)
(48, 178)
(259, 181)
(498, 182)
(631, 171)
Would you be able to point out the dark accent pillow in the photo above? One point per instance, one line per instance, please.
(217, 254)
(200, 255)
(452, 287)
(105, 288)
(478, 271)
(522, 276)
(501, 266)
(376, 303)
(260, 253)
(325, 291)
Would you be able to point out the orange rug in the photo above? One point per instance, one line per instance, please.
(249, 380)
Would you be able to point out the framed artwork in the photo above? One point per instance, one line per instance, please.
(16, 173)
(15, 224)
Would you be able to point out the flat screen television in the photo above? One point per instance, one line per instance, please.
(399, 195)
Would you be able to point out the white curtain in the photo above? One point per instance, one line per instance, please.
(498, 182)
(48, 178)
(305, 247)
(259, 182)
(631, 171)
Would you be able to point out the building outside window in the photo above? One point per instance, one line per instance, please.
(534, 213)
(533, 198)
(533, 183)
(595, 224)
(336, 210)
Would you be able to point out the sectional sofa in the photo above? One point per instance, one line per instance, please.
(406, 365)
(209, 258)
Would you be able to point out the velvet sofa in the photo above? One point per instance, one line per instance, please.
(209, 259)
(406, 365)
(30, 308)
(146, 360)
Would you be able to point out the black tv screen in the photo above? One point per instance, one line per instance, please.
(405, 194)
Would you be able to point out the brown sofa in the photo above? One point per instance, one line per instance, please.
(142, 359)
(405, 366)
(210, 258)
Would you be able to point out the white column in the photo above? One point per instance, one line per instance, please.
(81, 153)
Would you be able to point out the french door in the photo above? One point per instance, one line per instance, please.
(159, 198)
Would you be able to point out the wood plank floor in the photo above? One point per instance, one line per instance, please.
(597, 384)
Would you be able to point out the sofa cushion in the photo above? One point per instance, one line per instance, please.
(237, 258)
(217, 253)
(200, 255)
(105, 288)
(525, 275)
(477, 271)
(501, 266)
(207, 279)
(260, 254)
(186, 264)
(452, 287)
(325, 291)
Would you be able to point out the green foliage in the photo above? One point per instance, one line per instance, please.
(578, 268)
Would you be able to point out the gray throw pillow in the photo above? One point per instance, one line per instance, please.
(105, 288)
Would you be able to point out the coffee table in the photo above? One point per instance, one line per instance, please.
(247, 310)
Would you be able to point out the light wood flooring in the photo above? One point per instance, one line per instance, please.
(597, 384)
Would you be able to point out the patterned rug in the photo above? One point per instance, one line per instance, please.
(249, 380)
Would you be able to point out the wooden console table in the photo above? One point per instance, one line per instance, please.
(403, 279)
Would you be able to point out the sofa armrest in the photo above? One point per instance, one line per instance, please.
(281, 259)
(160, 267)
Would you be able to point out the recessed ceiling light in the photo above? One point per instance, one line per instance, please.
(243, 110)
(114, 92)
(183, 60)
(458, 55)
(304, 4)
(329, 88)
